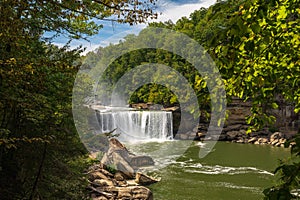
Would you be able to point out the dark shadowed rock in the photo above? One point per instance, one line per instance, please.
(232, 135)
(141, 161)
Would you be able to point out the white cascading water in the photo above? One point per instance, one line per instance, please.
(137, 125)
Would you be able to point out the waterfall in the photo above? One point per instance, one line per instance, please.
(137, 125)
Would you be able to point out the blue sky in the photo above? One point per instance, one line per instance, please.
(113, 32)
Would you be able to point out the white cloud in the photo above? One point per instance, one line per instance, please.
(113, 33)
(172, 11)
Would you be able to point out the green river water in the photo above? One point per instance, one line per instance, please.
(231, 171)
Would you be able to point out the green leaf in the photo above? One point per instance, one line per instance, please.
(274, 105)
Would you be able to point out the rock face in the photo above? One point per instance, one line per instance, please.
(125, 182)
(124, 161)
(106, 186)
(140, 161)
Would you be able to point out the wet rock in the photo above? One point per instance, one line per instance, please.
(143, 179)
(140, 161)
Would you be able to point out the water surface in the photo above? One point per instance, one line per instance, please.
(231, 171)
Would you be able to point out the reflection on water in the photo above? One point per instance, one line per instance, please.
(230, 171)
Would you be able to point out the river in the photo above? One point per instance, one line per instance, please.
(231, 171)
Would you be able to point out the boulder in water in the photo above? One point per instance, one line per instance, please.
(124, 161)
(141, 161)
(143, 179)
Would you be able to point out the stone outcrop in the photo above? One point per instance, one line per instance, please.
(117, 176)
(106, 186)
(235, 127)
(124, 161)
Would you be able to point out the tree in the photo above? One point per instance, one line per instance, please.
(262, 53)
(259, 58)
(40, 151)
(289, 171)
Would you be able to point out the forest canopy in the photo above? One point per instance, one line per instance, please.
(255, 45)
(41, 155)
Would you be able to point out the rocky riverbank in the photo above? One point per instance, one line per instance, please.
(285, 127)
(277, 139)
(117, 176)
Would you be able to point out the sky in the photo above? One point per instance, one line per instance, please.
(114, 32)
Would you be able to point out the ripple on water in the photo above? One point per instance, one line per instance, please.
(218, 169)
(233, 186)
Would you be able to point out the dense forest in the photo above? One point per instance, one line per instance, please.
(255, 45)
(41, 156)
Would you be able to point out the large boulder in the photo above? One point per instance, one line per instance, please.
(123, 165)
(141, 161)
(119, 157)
(104, 185)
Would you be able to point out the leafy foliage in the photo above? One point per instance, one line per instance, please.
(255, 45)
(261, 55)
(152, 92)
(289, 172)
(41, 156)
